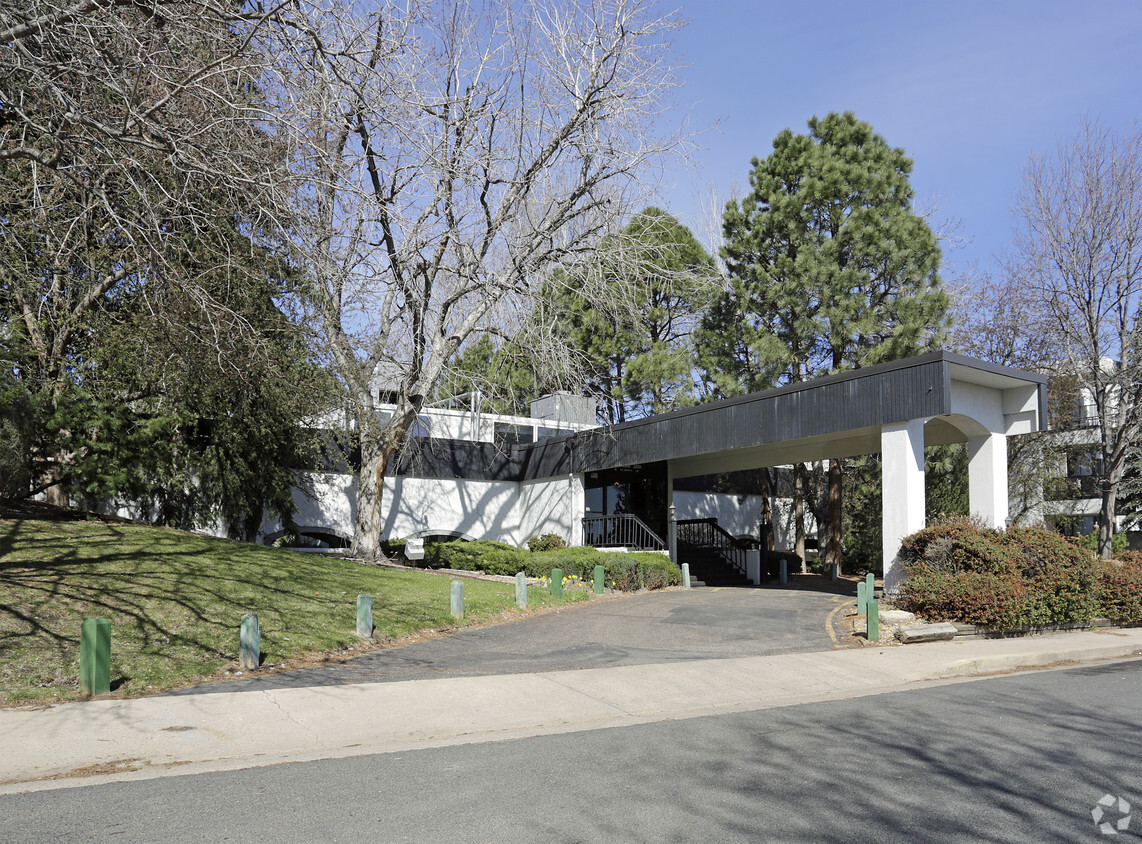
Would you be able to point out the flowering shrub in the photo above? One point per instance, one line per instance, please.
(1118, 588)
(959, 571)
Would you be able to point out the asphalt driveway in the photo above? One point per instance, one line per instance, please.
(627, 630)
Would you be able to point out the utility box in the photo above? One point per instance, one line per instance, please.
(567, 408)
(414, 549)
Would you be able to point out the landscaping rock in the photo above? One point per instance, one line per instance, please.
(926, 633)
(896, 617)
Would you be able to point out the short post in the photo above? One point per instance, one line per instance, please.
(458, 598)
(95, 656)
(365, 616)
(783, 567)
(870, 590)
(873, 622)
(833, 572)
(557, 583)
(685, 575)
(521, 590)
(600, 577)
(250, 642)
(862, 597)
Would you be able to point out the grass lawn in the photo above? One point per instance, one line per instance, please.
(176, 600)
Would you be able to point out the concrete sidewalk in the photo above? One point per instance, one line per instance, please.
(104, 740)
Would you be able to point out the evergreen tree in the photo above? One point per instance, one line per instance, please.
(829, 268)
(637, 353)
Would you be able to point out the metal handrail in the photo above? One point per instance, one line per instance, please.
(707, 533)
(624, 530)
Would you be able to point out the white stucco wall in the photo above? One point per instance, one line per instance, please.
(475, 509)
(740, 514)
(551, 505)
(503, 511)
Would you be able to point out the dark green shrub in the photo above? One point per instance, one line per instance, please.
(628, 572)
(506, 561)
(640, 570)
(547, 542)
(1119, 589)
(580, 560)
(463, 555)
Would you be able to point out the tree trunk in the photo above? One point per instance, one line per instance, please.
(369, 525)
(1106, 520)
(58, 493)
(833, 546)
(767, 538)
(799, 487)
(378, 446)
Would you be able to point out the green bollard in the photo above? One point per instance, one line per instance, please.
(833, 571)
(250, 643)
(862, 597)
(458, 598)
(599, 577)
(95, 656)
(365, 616)
(784, 571)
(557, 583)
(873, 622)
(870, 591)
(521, 590)
(686, 576)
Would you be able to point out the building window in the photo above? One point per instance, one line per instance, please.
(506, 434)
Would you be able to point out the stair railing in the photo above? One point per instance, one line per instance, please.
(623, 530)
(708, 534)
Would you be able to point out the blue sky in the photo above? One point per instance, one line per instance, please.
(969, 89)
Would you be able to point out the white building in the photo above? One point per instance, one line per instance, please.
(477, 475)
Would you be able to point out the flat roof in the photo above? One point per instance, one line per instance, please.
(838, 415)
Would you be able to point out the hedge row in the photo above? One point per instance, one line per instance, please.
(1022, 577)
(627, 571)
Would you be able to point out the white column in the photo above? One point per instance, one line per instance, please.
(578, 509)
(902, 467)
(987, 478)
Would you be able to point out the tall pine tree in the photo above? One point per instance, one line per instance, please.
(830, 269)
(637, 354)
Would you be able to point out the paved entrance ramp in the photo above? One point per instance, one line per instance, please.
(655, 627)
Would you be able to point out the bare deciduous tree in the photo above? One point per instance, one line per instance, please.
(448, 157)
(1079, 246)
(131, 157)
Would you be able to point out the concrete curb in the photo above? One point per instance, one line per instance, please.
(107, 740)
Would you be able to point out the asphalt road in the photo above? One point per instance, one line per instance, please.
(630, 630)
(1022, 758)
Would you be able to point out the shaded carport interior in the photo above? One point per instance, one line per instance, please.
(895, 409)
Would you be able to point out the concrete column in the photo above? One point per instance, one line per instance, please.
(902, 467)
(753, 566)
(578, 505)
(987, 478)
